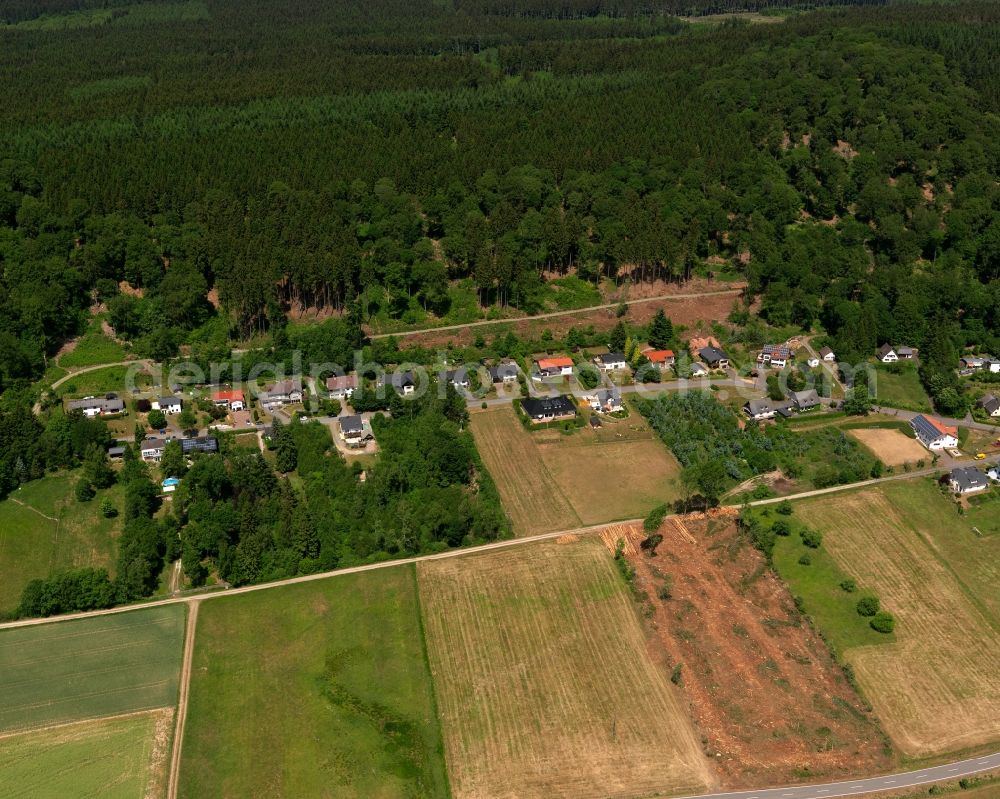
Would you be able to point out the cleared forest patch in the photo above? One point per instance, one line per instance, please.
(771, 704)
(544, 684)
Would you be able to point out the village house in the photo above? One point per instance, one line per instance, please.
(774, 355)
(548, 409)
(152, 449)
(606, 401)
(233, 400)
(97, 406)
(116, 452)
(933, 434)
(973, 362)
(805, 400)
(827, 355)
(504, 373)
(886, 354)
(341, 387)
(714, 358)
(459, 378)
(168, 404)
(611, 361)
(906, 353)
(760, 409)
(990, 404)
(352, 431)
(968, 480)
(660, 357)
(404, 383)
(284, 392)
(553, 367)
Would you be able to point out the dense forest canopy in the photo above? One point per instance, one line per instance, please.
(305, 154)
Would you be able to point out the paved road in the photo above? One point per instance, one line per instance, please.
(553, 314)
(890, 782)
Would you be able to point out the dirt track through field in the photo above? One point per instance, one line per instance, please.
(182, 700)
(936, 688)
(544, 685)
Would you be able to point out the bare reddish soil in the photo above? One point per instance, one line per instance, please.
(771, 704)
(682, 311)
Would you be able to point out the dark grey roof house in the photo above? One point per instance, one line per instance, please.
(715, 358)
(968, 480)
(805, 400)
(541, 409)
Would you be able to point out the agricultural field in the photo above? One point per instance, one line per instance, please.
(791, 715)
(84, 669)
(122, 757)
(892, 447)
(549, 480)
(544, 683)
(935, 687)
(342, 660)
(43, 530)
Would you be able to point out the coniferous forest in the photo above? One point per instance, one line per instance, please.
(294, 154)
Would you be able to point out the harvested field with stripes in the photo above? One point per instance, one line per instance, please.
(88, 668)
(545, 686)
(549, 480)
(123, 757)
(936, 688)
(529, 492)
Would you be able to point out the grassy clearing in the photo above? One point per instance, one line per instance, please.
(935, 689)
(93, 667)
(901, 388)
(116, 758)
(983, 513)
(818, 585)
(342, 660)
(545, 686)
(33, 546)
(552, 481)
(100, 381)
(92, 348)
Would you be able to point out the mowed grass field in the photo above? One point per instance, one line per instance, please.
(123, 757)
(902, 389)
(544, 683)
(319, 689)
(43, 529)
(552, 481)
(88, 668)
(936, 689)
(892, 447)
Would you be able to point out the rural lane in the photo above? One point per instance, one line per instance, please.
(452, 553)
(890, 782)
(554, 314)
